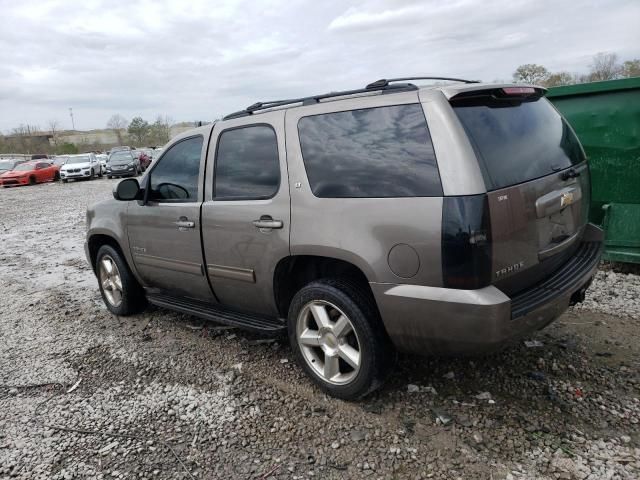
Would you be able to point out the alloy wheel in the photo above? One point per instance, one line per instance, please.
(328, 342)
(110, 280)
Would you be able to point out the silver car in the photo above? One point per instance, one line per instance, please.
(449, 219)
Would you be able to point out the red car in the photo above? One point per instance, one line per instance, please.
(30, 173)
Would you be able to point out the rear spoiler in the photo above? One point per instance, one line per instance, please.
(499, 96)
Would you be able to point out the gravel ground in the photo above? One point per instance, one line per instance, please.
(85, 394)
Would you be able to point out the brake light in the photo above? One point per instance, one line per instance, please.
(466, 242)
(518, 90)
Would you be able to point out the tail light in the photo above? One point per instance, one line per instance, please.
(466, 242)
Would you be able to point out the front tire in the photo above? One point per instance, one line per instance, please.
(121, 292)
(32, 180)
(337, 336)
(64, 180)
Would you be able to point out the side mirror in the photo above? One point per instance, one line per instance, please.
(127, 189)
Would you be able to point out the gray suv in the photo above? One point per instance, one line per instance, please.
(434, 220)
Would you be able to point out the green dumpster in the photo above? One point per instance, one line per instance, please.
(606, 118)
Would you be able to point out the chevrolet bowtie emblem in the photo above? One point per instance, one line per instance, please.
(566, 199)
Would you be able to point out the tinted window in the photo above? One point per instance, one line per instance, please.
(247, 164)
(517, 143)
(175, 177)
(374, 152)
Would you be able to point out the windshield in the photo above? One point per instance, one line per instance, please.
(24, 167)
(519, 142)
(120, 157)
(6, 165)
(83, 159)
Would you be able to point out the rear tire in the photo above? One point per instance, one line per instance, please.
(344, 350)
(56, 177)
(121, 292)
(109, 177)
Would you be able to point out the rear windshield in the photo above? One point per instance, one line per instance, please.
(516, 143)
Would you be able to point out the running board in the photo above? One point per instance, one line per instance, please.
(247, 321)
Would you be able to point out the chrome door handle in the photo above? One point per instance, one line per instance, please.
(268, 223)
(184, 224)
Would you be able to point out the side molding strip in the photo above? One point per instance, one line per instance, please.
(166, 263)
(232, 273)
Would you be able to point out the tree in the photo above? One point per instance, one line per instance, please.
(67, 148)
(530, 73)
(604, 66)
(117, 123)
(558, 79)
(139, 130)
(54, 129)
(631, 68)
(160, 131)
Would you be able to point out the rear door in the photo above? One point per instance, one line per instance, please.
(537, 179)
(164, 232)
(246, 215)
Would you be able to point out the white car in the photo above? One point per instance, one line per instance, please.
(103, 158)
(85, 165)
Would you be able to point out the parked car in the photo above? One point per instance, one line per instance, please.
(103, 158)
(7, 164)
(145, 160)
(122, 164)
(30, 173)
(155, 154)
(39, 156)
(83, 166)
(443, 220)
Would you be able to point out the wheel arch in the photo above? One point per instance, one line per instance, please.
(295, 271)
(97, 240)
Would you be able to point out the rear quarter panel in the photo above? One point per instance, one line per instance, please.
(361, 231)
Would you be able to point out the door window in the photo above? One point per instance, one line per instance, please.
(175, 177)
(247, 165)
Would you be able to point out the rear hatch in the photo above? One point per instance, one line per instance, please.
(537, 179)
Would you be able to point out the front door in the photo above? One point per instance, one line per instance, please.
(164, 232)
(246, 215)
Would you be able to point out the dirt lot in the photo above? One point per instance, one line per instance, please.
(164, 395)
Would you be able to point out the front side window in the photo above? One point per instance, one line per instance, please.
(175, 178)
(247, 164)
(373, 152)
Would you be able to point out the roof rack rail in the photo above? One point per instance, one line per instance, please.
(316, 98)
(383, 82)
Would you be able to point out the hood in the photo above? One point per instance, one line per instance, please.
(121, 162)
(14, 173)
(70, 166)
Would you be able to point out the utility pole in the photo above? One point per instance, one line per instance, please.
(73, 125)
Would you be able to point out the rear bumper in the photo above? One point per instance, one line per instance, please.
(444, 321)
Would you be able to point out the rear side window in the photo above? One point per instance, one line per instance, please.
(516, 143)
(373, 152)
(175, 177)
(247, 164)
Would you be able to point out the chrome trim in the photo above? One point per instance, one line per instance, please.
(232, 273)
(483, 296)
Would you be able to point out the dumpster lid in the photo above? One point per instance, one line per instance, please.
(594, 87)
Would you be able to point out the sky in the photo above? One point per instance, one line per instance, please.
(198, 60)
